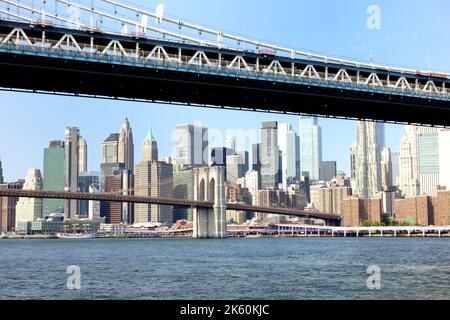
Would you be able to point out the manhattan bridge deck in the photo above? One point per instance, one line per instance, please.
(56, 55)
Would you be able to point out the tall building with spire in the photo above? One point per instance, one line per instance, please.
(153, 178)
(29, 209)
(367, 153)
(126, 146)
(150, 147)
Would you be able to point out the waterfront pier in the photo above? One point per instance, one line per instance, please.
(325, 231)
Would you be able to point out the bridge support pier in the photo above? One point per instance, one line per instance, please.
(210, 187)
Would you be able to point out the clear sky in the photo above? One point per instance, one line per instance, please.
(409, 29)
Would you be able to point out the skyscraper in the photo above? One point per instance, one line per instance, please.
(150, 147)
(395, 157)
(367, 151)
(230, 143)
(256, 157)
(327, 170)
(110, 149)
(252, 182)
(119, 182)
(191, 145)
(54, 164)
(310, 146)
(29, 209)
(183, 188)
(110, 159)
(409, 163)
(126, 146)
(235, 168)
(87, 181)
(245, 159)
(444, 158)
(283, 129)
(72, 156)
(83, 155)
(386, 170)
(288, 142)
(353, 154)
(269, 155)
(8, 206)
(153, 179)
(219, 156)
(429, 167)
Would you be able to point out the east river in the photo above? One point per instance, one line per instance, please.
(263, 268)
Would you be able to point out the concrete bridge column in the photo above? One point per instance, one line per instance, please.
(210, 187)
(200, 223)
(220, 207)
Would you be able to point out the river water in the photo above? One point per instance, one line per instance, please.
(264, 268)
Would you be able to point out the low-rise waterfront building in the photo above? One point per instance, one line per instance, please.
(416, 210)
(356, 210)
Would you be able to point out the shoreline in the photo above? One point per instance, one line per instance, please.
(313, 236)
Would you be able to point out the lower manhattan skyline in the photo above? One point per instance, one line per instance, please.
(26, 153)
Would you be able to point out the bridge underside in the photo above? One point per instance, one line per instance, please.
(56, 75)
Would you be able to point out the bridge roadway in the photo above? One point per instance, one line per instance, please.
(331, 219)
(58, 60)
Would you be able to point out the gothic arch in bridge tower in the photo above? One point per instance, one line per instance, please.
(210, 187)
(201, 191)
(212, 190)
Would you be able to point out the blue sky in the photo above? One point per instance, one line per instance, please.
(408, 30)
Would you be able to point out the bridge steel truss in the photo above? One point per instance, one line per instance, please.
(84, 61)
(331, 219)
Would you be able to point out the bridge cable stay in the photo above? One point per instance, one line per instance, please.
(10, 14)
(218, 34)
(29, 9)
(148, 27)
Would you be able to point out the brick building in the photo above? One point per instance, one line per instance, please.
(417, 210)
(8, 207)
(422, 210)
(356, 210)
